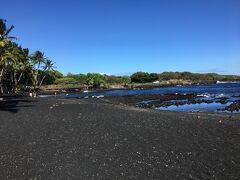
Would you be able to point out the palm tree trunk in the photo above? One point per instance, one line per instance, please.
(42, 81)
(15, 81)
(1, 83)
(34, 80)
(20, 77)
(12, 82)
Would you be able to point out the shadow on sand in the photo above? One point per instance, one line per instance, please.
(14, 103)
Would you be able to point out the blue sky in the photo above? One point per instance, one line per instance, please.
(125, 36)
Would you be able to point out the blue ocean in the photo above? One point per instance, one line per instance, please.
(230, 91)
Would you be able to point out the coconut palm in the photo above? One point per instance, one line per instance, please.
(17, 67)
(4, 32)
(24, 65)
(37, 60)
(5, 39)
(20, 65)
(42, 66)
(48, 66)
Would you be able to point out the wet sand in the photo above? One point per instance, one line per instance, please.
(48, 138)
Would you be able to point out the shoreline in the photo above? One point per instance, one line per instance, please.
(229, 104)
(121, 87)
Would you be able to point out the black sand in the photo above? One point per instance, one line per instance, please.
(92, 139)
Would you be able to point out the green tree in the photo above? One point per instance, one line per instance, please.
(41, 66)
(5, 39)
(48, 66)
(144, 77)
(126, 80)
(80, 78)
(95, 80)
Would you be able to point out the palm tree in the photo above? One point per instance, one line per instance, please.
(42, 67)
(9, 59)
(4, 41)
(4, 32)
(20, 64)
(37, 59)
(24, 64)
(16, 66)
(48, 66)
(13, 52)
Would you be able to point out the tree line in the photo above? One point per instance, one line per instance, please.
(144, 77)
(20, 70)
(94, 80)
(97, 80)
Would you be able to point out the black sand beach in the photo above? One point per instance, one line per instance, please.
(47, 138)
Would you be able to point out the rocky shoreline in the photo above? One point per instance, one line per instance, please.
(166, 100)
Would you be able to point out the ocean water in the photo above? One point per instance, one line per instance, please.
(213, 92)
(201, 107)
(222, 89)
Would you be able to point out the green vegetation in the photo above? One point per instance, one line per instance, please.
(144, 77)
(94, 80)
(197, 76)
(20, 71)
